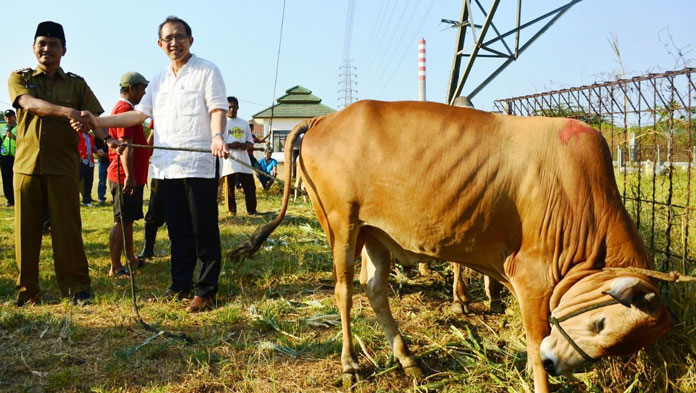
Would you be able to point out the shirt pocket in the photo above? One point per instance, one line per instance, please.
(162, 103)
(65, 95)
(190, 102)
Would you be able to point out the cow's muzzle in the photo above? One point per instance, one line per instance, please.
(549, 366)
(557, 323)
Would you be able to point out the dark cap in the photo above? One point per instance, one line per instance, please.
(50, 29)
(132, 79)
(9, 112)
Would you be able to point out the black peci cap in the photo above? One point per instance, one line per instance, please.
(50, 29)
(9, 112)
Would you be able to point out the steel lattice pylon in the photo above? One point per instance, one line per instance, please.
(488, 41)
(347, 69)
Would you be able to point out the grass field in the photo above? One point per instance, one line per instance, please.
(275, 327)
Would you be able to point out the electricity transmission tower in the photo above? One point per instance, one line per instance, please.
(347, 70)
(489, 42)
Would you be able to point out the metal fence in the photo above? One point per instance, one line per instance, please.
(649, 122)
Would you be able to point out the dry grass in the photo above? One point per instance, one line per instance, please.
(274, 329)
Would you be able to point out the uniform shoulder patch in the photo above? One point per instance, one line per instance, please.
(73, 75)
(22, 70)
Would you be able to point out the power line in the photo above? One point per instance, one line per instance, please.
(275, 82)
(382, 70)
(412, 39)
(381, 12)
(397, 29)
(379, 40)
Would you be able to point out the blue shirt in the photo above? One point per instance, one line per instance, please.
(268, 166)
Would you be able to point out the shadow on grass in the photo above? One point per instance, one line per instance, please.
(58, 353)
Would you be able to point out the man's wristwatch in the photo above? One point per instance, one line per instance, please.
(106, 138)
(220, 134)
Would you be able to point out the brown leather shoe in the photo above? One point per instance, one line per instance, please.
(28, 300)
(199, 303)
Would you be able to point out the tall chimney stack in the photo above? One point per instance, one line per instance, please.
(421, 69)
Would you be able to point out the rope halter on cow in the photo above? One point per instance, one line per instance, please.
(663, 276)
(557, 323)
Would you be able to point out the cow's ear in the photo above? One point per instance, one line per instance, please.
(632, 291)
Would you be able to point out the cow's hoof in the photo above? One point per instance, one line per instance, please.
(414, 372)
(497, 307)
(350, 379)
(460, 308)
(424, 270)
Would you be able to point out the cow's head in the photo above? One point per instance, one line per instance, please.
(603, 315)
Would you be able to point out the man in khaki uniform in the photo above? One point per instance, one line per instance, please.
(46, 167)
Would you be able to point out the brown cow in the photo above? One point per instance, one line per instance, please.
(531, 202)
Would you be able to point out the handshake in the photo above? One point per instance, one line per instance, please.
(82, 120)
(85, 121)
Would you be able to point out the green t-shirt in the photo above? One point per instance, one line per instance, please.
(9, 145)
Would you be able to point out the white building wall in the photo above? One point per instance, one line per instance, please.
(280, 124)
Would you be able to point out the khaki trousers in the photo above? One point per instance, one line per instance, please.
(34, 194)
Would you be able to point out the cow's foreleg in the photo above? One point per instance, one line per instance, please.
(535, 318)
(344, 271)
(378, 269)
(460, 291)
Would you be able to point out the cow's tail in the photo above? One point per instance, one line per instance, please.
(249, 247)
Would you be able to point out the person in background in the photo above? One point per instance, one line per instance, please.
(256, 140)
(102, 168)
(156, 214)
(87, 150)
(238, 139)
(128, 177)
(47, 100)
(270, 166)
(8, 139)
(296, 153)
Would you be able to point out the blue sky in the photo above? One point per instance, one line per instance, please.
(108, 38)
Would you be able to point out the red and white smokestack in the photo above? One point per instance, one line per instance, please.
(421, 69)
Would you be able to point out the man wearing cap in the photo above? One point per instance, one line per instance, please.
(46, 167)
(127, 178)
(187, 103)
(8, 137)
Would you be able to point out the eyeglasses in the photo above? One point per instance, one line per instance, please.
(171, 38)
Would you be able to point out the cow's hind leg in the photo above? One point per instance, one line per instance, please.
(343, 247)
(378, 268)
(493, 290)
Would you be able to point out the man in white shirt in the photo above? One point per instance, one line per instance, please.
(238, 139)
(187, 103)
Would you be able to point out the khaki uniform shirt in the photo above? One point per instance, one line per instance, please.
(48, 145)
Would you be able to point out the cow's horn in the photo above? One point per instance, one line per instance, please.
(650, 297)
(670, 276)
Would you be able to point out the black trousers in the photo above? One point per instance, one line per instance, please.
(156, 214)
(249, 187)
(6, 164)
(192, 223)
(87, 180)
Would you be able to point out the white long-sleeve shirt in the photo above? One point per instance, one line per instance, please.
(180, 106)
